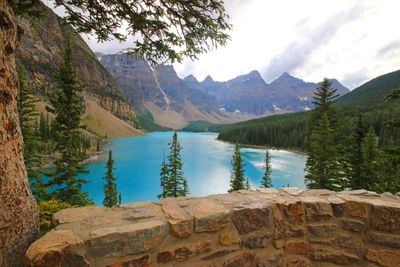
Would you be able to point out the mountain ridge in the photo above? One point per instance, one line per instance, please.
(244, 97)
(40, 50)
(367, 98)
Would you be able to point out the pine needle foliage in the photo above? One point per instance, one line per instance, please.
(169, 30)
(391, 158)
(372, 164)
(394, 95)
(355, 154)
(28, 123)
(238, 179)
(266, 181)
(68, 105)
(248, 187)
(164, 177)
(177, 181)
(322, 166)
(111, 196)
(173, 181)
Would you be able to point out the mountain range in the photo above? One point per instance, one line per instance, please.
(289, 130)
(173, 101)
(132, 94)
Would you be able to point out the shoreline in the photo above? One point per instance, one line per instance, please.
(96, 156)
(293, 150)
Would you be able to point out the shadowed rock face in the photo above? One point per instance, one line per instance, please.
(19, 215)
(267, 227)
(40, 51)
(136, 78)
(248, 93)
(160, 85)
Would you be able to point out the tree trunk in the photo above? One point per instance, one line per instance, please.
(18, 209)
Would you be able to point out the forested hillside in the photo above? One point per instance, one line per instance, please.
(42, 44)
(289, 130)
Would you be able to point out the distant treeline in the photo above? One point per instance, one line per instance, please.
(290, 130)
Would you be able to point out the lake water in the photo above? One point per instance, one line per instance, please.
(206, 165)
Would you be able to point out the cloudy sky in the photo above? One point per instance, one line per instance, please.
(353, 41)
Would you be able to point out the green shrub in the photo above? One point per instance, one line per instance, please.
(47, 209)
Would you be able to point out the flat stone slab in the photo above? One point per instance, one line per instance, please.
(386, 218)
(384, 257)
(80, 214)
(129, 239)
(55, 247)
(317, 208)
(141, 210)
(180, 221)
(294, 191)
(248, 218)
(210, 216)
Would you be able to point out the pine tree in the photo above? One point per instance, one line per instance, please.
(322, 166)
(370, 169)
(394, 95)
(323, 101)
(98, 144)
(119, 199)
(68, 110)
(111, 197)
(27, 119)
(42, 128)
(266, 180)
(355, 155)
(248, 187)
(164, 177)
(391, 156)
(177, 184)
(238, 180)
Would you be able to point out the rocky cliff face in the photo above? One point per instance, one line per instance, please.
(197, 95)
(136, 78)
(18, 210)
(41, 48)
(267, 227)
(245, 93)
(160, 90)
(160, 86)
(248, 95)
(298, 93)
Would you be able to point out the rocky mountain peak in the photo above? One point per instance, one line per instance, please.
(341, 89)
(287, 77)
(208, 79)
(251, 77)
(247, 93)
(254, 74)
(190, 78)
(166, 71)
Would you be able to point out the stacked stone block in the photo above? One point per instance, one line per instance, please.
(266, 227)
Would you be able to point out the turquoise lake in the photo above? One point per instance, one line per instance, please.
(206, 165)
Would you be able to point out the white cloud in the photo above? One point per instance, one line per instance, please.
(350, 40)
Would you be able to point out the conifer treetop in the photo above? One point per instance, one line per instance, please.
(169, 30)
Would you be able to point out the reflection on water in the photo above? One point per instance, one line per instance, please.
(206, 164)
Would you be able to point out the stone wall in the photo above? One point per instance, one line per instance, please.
(267, 227)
